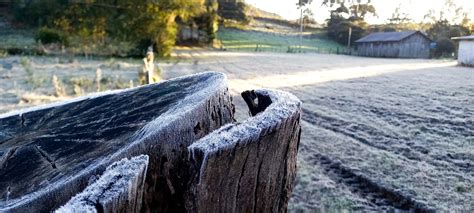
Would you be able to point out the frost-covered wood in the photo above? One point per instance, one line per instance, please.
(249, 166)
(119, 189)
(48, 153)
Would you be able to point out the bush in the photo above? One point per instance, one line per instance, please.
(444, 47)
(50, 36)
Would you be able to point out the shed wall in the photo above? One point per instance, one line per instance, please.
(415, 46)
(379, 49)
(466, 52)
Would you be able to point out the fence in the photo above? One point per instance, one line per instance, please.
(258, 41)
(290, 49)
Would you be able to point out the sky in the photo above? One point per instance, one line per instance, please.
(384, 8)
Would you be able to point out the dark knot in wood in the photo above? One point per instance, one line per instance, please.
(256, 102)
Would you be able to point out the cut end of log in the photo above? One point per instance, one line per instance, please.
(119, 189)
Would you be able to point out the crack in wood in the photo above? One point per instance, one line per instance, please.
(8, 155)
(242, 170)
(257, 179)
(22, 119)
(8, 194)
(46, 156)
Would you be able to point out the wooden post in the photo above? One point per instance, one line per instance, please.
(50, 154)
(98, 79)
(301, 25)
(55, 153)
(249, 166)
(349, 38)
(149, 66)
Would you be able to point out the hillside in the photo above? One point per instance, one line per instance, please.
(274, 35)
(255, 12)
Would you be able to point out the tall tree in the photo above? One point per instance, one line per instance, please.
(346, 23)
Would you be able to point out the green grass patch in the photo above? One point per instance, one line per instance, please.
(247, 40)
(19, 39)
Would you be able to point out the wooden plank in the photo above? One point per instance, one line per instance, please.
(248, 166)
(119, 189)
(48, 154)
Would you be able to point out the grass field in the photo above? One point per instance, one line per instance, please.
(259, 41)
(16, 39)
(378, 134)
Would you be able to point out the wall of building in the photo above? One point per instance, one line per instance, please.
(466, 52)
(378, 49)
(415, 46)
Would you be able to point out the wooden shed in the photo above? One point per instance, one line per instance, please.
(406, 44)
(466, 50)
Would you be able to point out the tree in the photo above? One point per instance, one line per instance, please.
(345, 19)
(444, 47)
(308, 17)
(302, 3)
(137, 21)
(399, 17)
(361, 10)
(208, 21)
(445, 24)
(442, 32)
(451, 12)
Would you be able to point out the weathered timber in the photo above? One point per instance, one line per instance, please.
(248, 166)
(119, 189)
(49, 153)
(406, 44)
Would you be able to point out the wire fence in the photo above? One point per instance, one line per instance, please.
(258, 41)
(290, 49)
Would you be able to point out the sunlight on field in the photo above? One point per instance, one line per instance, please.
(321, 76)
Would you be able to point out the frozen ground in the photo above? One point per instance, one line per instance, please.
(377, 133)
(27, 81)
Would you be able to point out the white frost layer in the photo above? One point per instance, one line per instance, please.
(117, 180)
(175, 115)
(91, 96)
(227, 137)
(60, 103)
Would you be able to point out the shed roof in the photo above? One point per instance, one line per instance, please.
(389, 36)
(471, 37)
